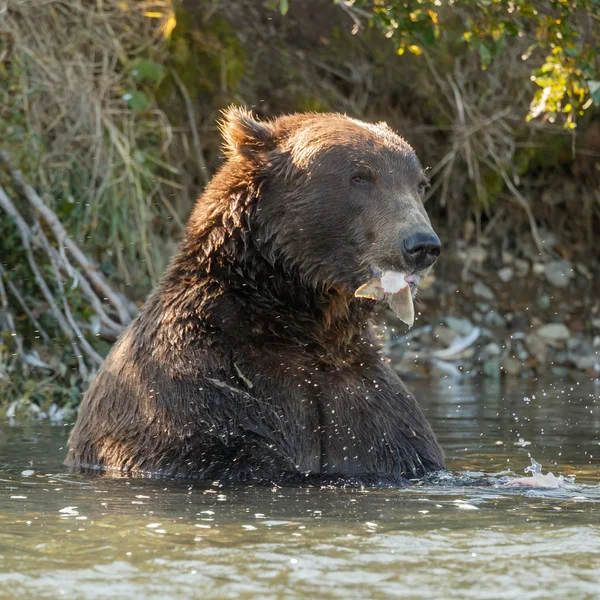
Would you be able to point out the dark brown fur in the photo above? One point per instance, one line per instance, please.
(253, 360)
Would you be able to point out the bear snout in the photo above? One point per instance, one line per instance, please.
(421, 249)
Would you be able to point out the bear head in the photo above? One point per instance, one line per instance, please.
(337, 199)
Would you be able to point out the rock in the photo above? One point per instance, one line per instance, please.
(561, 358)
(462, 326)
(596, 323)
(494, 319)
(538, 268)
(521, 267)
(543, 302)
(559, 272)
(560, 371)
(477, 254)
(576, 324)
(521, 353)
(549, 240)
(536, 347)
(512, 366)
(507, 257)
(505, 274)
(517, 320)
(588, 363)
(445, 335)
(535, 322)
(491, 368)
(483, 291)
(492, 349)
(554, 332)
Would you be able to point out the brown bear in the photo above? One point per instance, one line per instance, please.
(254, 360)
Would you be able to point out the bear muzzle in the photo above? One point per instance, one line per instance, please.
(420, 250)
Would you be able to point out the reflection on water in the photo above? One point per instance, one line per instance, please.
(75, 537)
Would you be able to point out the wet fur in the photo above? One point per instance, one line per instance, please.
(252, 360)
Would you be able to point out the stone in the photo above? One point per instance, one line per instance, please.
(506, 274)
(462, 326)
(477, 254)
(561, 358)
(549, 239)
(590, 362)
(483, 291)
(494, 319)
(554, 332)
(521, 267)
(507, 257)
(512, 366)
(536, 346)
(596, 323)
(543, 301)
(517, 320)
(559, 272)
(560, 371)
(538, 268)
(445, 335)
(492, 349)
(491, 368)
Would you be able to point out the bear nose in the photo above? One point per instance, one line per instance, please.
(421, 249)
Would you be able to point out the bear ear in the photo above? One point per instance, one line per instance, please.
(384, 125)
(243, 134)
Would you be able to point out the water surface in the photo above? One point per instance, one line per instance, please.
(63, 536)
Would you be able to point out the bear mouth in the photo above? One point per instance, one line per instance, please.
(397, 289)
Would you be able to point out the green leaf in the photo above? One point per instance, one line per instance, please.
(429, 36)
(571, 51)
(510, 28)
(284, 6)
(594, 87)
(485, 55)
(149, 71)
(136, 100)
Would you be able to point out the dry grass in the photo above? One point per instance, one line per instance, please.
(76, 59)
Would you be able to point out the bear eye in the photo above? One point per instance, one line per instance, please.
(360, 179)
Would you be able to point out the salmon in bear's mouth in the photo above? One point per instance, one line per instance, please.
(396, 289)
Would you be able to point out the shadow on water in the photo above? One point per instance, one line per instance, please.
(85, 537)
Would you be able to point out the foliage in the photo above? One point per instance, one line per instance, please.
(561, 38)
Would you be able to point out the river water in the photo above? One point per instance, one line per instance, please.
(63, 536)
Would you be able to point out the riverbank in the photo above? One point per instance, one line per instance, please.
(489, 313)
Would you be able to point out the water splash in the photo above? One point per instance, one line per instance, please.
(537, 479)
(535, 468)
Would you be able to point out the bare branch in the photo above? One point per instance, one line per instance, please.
(63, 238)
(14, 290)
(8, 317)
(26, 238)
